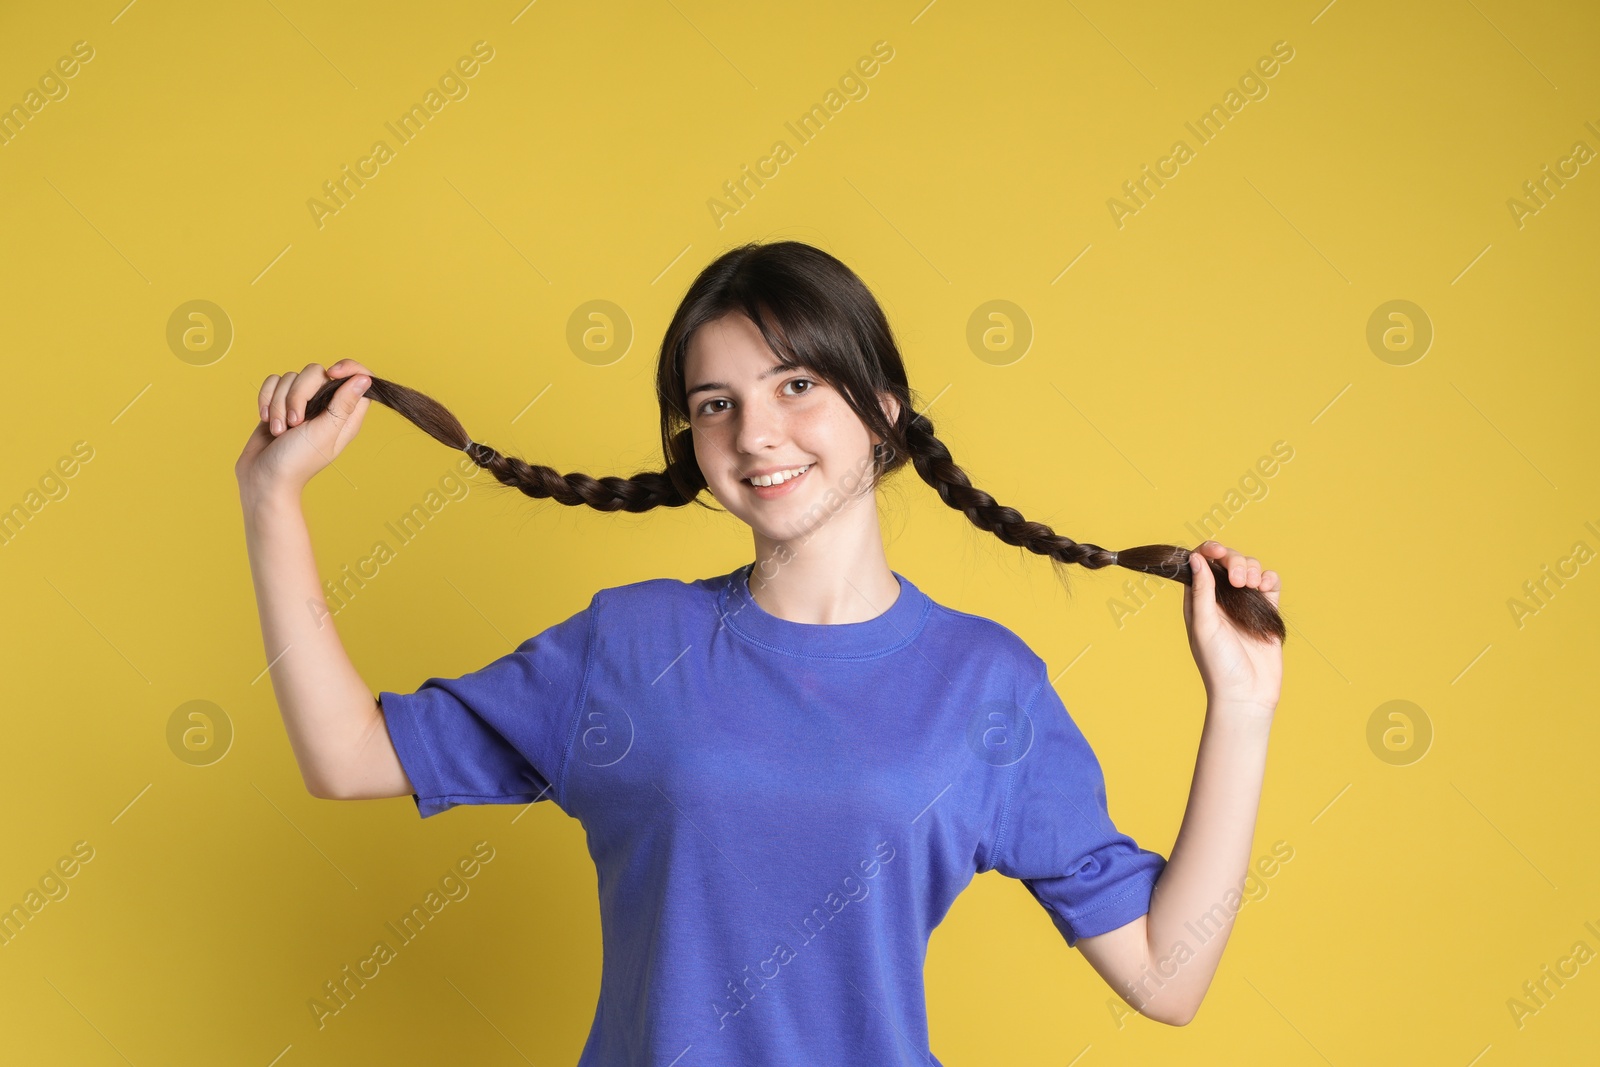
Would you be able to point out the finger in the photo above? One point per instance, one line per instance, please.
(1271, 585)
(1253, 572)
(1238, 568)
(347, 405)
(346, 367)
(264, 397)
(306, 383)
(280, 396)
(1220, 552)
(1202, 586)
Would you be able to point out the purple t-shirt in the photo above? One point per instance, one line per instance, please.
(779, 813)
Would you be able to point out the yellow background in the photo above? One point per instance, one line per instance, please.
(1228, 314)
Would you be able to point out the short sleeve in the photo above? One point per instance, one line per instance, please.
(1057, 836)
(500, 734)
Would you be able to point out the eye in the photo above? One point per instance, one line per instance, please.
(809, 383)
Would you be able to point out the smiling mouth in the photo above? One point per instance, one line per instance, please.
(778, 487)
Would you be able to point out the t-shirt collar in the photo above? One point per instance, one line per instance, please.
(894, 628)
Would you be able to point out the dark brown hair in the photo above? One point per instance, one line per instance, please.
(813, 309)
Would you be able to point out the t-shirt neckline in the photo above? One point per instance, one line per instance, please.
(894, 628)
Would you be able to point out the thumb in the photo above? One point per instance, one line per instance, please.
(1202, 588)
(347, 406)
(343, 416)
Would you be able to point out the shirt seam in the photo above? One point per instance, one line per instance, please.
(421, 738)
(1144, 886)
(559, 787)
(727, 619)
(1143, 883)
(1016, 772)
(467, 798)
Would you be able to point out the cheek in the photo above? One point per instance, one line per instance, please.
(704, 453)
(713, 446)
(834, 427)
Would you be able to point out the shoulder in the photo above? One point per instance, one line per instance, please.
(977, 635)
(653, 605)
(654, 594)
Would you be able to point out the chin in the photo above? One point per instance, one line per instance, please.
(763, 526)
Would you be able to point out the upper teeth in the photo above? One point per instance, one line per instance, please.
(780, 477)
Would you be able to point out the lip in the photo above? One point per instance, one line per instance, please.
(775, 470)
(768, 492)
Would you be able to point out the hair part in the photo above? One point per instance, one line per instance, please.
(814, 310)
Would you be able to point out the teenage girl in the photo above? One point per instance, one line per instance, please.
(786, 773)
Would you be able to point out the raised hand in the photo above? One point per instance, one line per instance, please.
(285, 451)
(1238, 669)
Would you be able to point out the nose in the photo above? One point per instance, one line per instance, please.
(758, 427)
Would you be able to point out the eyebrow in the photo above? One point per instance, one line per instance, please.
(776, 368)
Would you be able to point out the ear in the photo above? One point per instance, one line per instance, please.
(890, 406)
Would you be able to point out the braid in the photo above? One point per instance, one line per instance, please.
(1248, 608)
(933, 461)
(683, 480)
(672, 488)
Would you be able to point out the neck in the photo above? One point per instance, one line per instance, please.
(837, 574)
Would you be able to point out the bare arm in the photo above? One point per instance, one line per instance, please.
(335, 724)
(1162, 963)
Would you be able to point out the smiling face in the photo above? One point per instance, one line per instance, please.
(750, 414)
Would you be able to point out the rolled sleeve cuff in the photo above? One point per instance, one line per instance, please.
(1111, 908)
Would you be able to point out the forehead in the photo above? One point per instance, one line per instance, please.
(730, 341)
(728, 350)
